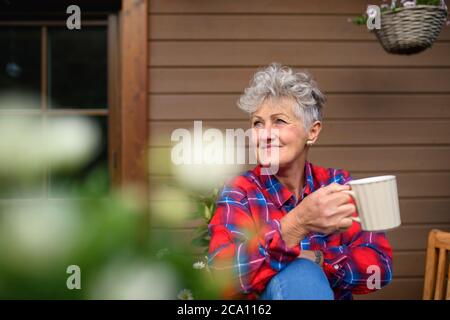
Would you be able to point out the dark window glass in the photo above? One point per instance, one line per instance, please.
(20, 56)
(90, 177)
(77, 67)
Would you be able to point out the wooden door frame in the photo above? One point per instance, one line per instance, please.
(130, 110)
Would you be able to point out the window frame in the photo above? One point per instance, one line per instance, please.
(127, 83)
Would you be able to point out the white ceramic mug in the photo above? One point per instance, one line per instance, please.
(377, 202)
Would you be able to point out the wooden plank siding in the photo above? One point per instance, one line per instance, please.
(385, 114)
(223, 26)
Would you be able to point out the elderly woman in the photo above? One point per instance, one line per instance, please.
(290, 234)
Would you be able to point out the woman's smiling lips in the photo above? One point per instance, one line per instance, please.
(269, 146)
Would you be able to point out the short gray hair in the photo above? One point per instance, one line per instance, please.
(277, 81)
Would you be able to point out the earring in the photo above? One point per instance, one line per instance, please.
(309, 143)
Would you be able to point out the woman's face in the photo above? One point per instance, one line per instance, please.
(277, 130)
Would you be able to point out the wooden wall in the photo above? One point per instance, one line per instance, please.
(385, 114)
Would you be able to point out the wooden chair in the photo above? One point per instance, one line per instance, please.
(436, 266)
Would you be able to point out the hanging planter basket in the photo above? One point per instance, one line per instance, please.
(410, 30)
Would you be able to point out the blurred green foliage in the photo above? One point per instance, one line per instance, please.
(206, 206)
(104, 231)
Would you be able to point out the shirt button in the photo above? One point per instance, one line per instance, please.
(336, 267)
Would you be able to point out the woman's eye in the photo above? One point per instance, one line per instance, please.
(257, 123)
(280, 121)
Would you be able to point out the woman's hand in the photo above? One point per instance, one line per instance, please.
(326, 210)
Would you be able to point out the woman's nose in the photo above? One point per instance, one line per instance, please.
(265, 133)
(268, 133)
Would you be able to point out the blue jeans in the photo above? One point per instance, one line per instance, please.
(301, 279)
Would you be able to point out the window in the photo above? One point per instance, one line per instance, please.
(68, 74)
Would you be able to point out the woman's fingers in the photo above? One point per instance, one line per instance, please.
(335, 187)
(332, 207)
(345, 223)
(338, 198)
(345, 211)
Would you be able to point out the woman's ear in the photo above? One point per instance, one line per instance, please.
(314, 131)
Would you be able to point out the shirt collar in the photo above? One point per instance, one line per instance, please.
(278, 192)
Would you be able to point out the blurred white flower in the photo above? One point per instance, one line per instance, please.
(70, 141)
(15, 100)
(35, 234)
(203, 177)
(199, 265)
(408, 4)
(202, 161)
(21, 149)
(131, 197)
(136, 280)
(185, 294)
(170, 206)
(27, 145)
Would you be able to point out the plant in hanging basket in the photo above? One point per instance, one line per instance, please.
(410, 26)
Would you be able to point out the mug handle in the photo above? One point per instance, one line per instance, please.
(353, 195)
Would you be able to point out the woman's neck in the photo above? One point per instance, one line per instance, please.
(292, 177)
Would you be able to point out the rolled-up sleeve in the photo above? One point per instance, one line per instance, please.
(362, 263)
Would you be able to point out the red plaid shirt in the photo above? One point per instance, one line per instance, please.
(246, 238)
